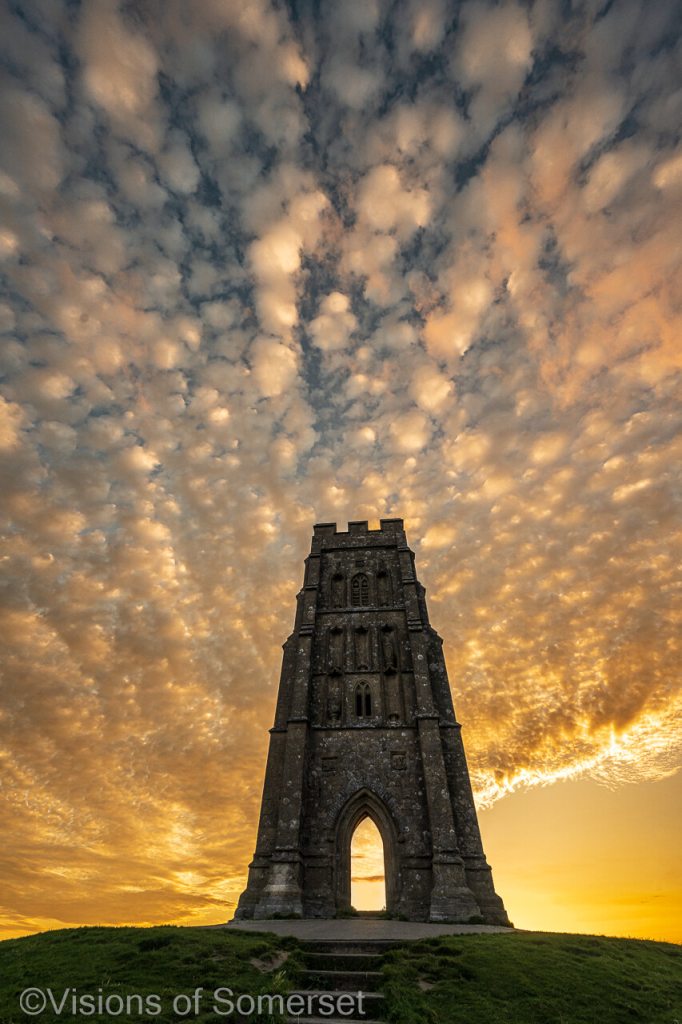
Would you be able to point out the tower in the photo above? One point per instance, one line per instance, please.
(365, 727)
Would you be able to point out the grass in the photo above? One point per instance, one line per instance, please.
(534, 978)
(522, 978)
(344, 913)
(163, 961)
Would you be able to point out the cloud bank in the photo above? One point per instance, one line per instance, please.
(268, 265)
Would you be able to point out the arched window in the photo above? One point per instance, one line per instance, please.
(363, 701)
(360, 590)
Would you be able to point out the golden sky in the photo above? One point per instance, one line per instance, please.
(271, 265)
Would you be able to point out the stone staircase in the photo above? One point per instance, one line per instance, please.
(343, 968)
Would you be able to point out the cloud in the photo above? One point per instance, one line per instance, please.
(32, 153)
(274, 366)
(219, 120)
(493, 55)
(353, 86)
(430, 389)
(263, 272)
(11, 416)
(335, 323)
(120, 70)
(668, 174)
(410, 431)
(428, 25)
(385, 205)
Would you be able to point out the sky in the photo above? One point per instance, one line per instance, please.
(273, 264)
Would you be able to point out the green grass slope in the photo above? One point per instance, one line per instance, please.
(163, 962)
(535, 978)
(522, 978)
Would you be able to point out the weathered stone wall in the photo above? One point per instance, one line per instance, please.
(365, 726)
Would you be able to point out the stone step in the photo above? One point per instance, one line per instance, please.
(344, 956)
(372, 997)
(342, 961)
(343, 968)
(346, 981)
(341, 946)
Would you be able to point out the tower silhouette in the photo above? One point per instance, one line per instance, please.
(365, 727)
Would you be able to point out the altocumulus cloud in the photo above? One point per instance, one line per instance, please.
(272, 264)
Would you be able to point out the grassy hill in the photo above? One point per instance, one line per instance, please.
(523, 978)
(535, 978)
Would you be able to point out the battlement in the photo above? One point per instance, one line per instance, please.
(358, 529)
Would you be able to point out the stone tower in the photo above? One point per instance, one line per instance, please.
(365, 727)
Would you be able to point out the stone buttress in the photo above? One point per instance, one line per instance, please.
(365, 727)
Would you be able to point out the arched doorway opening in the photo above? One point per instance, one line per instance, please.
(367, 869)
(363, 805)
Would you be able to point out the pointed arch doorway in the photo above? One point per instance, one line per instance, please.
(364, 804)
(367, 868)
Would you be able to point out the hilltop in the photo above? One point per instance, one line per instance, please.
(522, 978)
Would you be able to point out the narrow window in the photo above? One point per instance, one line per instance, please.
(360, 591)
(363, 700)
